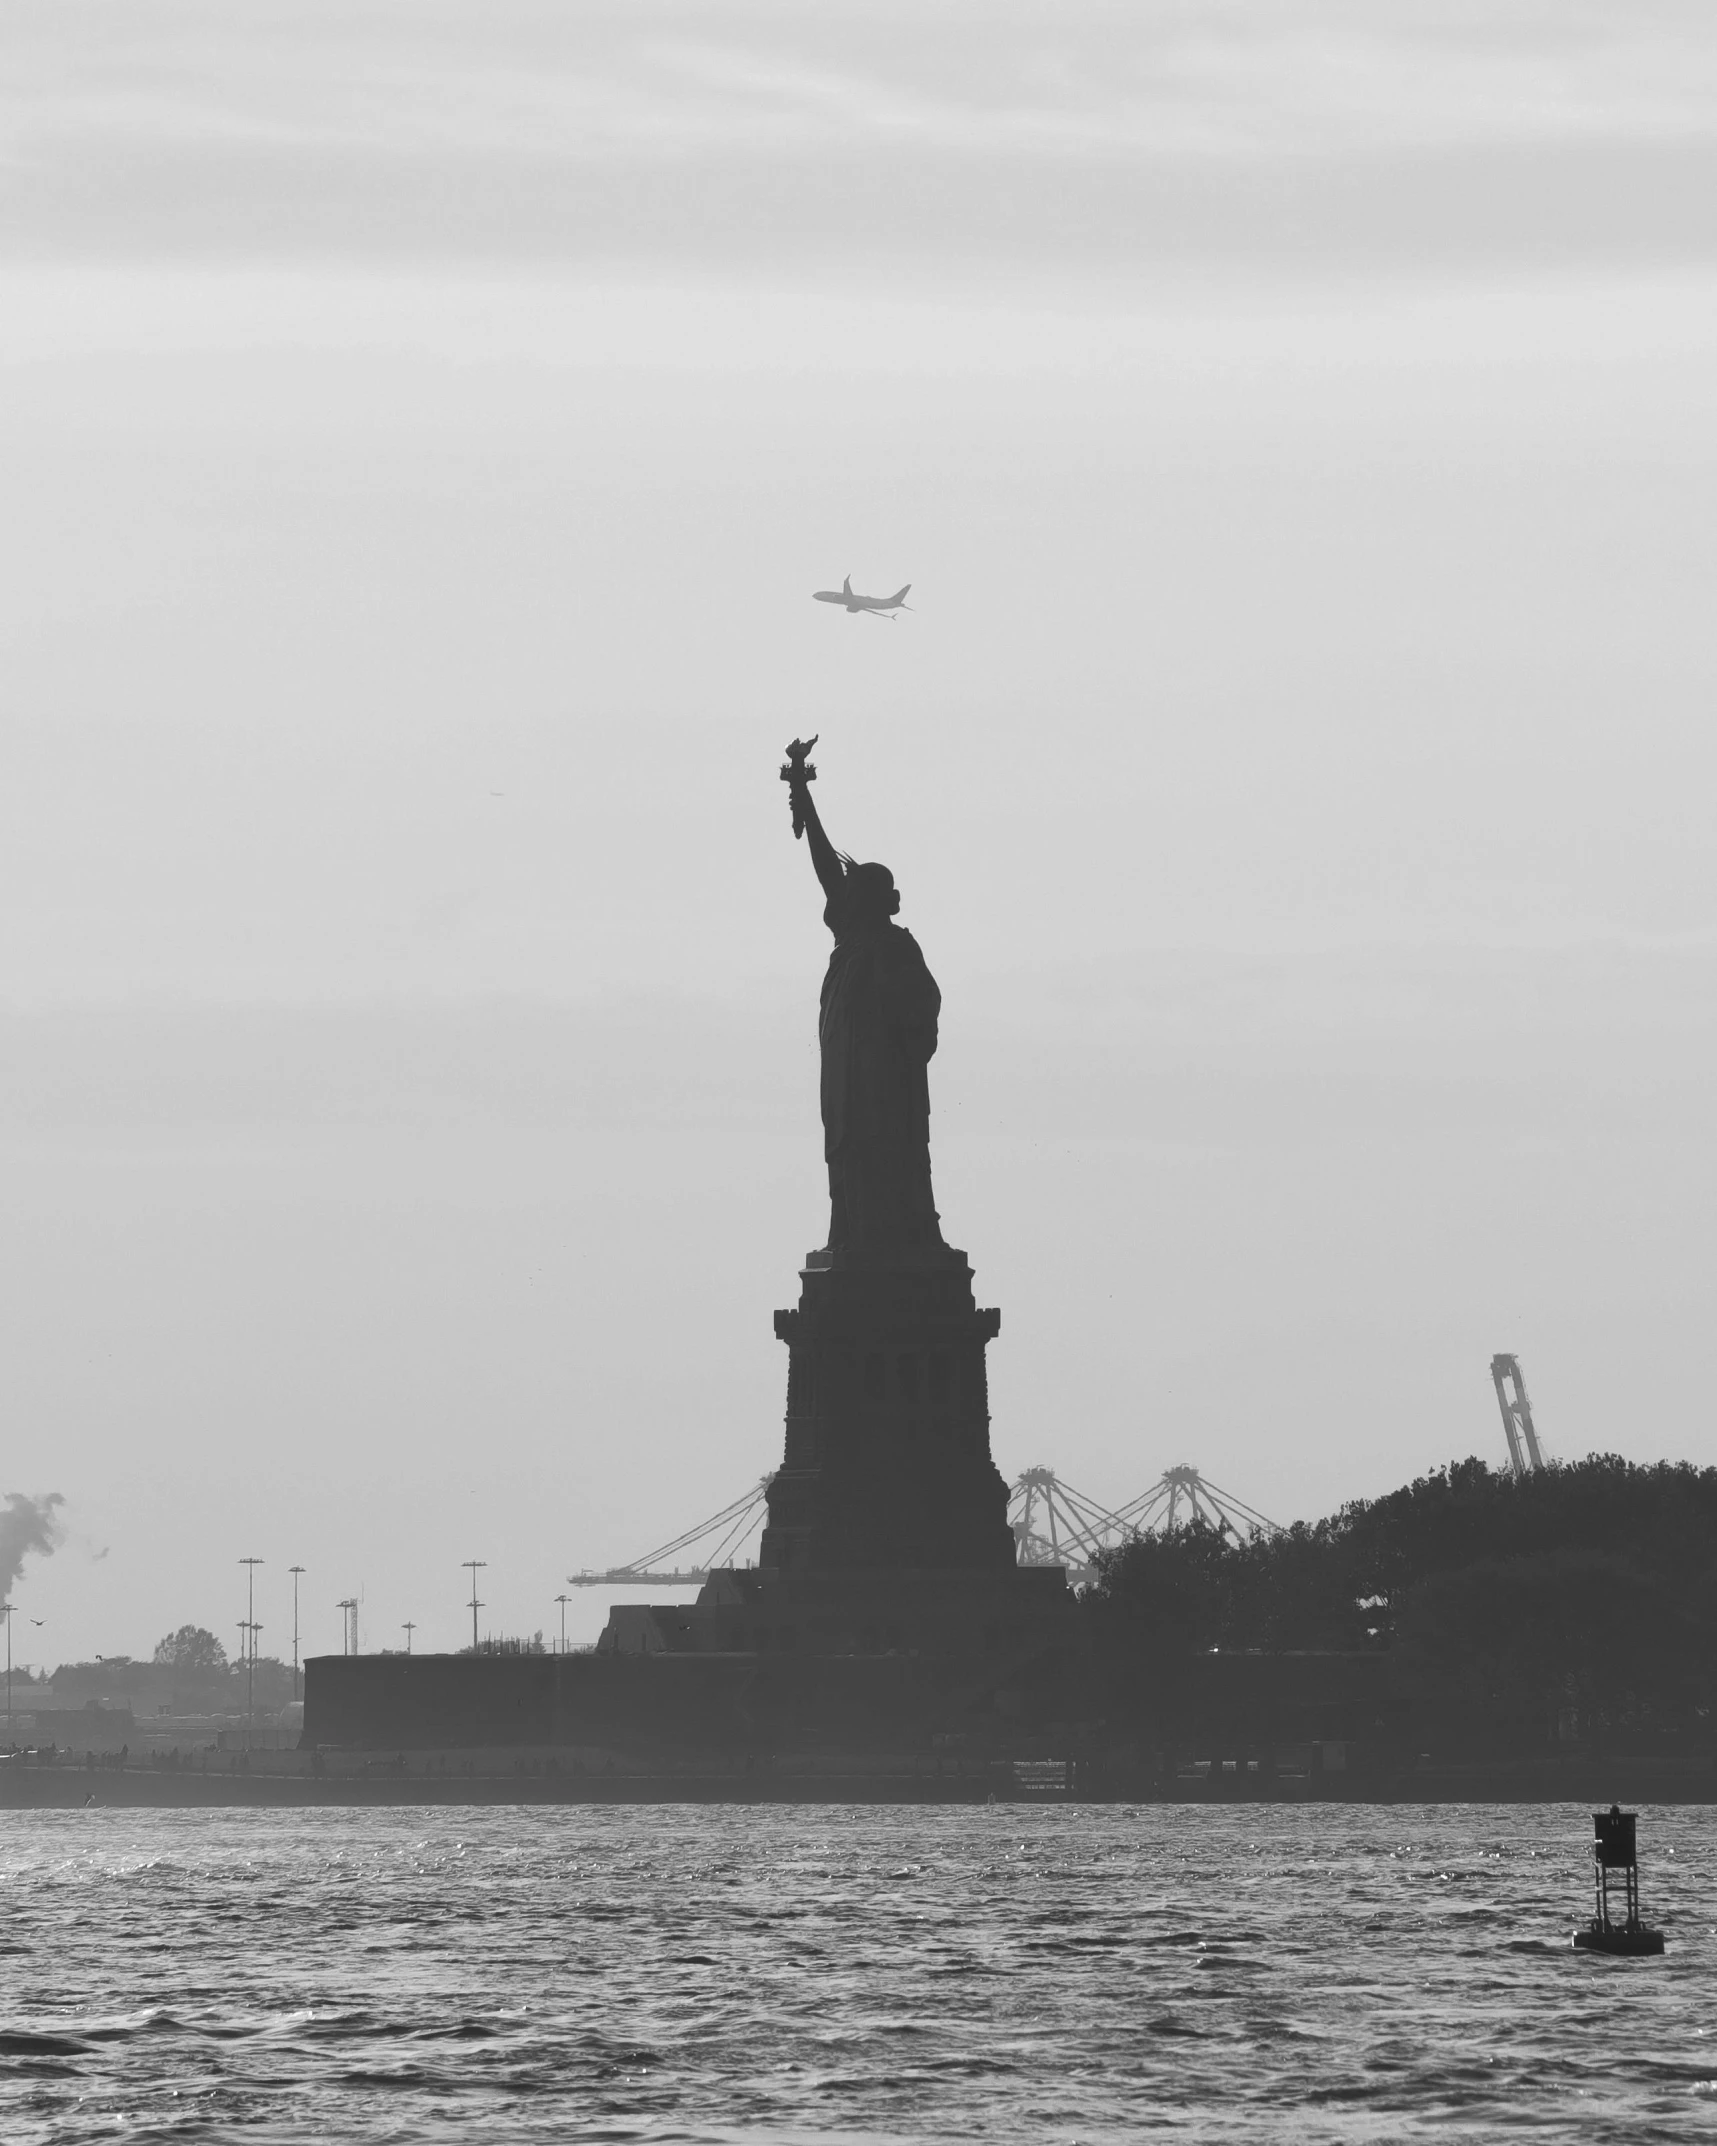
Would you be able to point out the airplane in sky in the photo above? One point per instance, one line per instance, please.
(877, 606)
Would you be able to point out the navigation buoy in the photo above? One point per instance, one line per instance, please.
(1613, 1849)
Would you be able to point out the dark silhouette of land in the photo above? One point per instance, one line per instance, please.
(1480, 1615)
(1471, 1636)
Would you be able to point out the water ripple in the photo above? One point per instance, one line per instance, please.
(637, 1974)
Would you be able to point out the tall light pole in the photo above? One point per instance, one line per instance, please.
(250, 1682)
(408, 1628)
(246, 1654)
(6, 1612)
(563, 1600)
(474, 1565)
(295, 1571)
(250, 1651)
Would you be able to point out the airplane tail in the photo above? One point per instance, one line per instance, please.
(847, 586)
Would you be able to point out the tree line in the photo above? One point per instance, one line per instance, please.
(1577, 1602)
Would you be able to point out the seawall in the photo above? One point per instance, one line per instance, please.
(715, 1705)
(476, 1779)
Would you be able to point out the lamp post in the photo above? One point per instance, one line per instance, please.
(563, 1601)
(250, 1650)
(474, 1565)
(295, 1570)
(6, 1612)
(408, 1628)
(250, 1683)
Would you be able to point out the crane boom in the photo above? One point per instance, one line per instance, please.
(1523, 1453)
(722, 1532)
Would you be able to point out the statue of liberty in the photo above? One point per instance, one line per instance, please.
(877, 1029)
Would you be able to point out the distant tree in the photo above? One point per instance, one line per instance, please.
(1578, 1601)
(1500, 1648)
(115, 1676)
(273, 1682)
(192, 1649)
(1158, 1603)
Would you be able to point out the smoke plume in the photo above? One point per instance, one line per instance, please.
(26, 1524)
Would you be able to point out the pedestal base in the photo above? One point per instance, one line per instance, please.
(985, 1617)
(887, 1462)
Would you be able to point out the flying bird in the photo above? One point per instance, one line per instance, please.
(877, 606)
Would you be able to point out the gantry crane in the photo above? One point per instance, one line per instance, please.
(1516, 1414)
(1206, 1504)
(727, 1530)
(1052, 1524)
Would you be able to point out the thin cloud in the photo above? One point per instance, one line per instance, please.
(1221, 134)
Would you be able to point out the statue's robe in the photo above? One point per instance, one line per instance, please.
(878, 1034)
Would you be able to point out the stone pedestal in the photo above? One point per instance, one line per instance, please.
(887, 1465)
(983, 1618)
(888, 1531)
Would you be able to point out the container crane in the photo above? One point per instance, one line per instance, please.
(1523, 1454)
(713, 1544)
(1206, 1504)
(1054, 1524)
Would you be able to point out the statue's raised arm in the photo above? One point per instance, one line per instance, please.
(798, 774)
(876, 1032)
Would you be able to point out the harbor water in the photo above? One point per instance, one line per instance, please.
(627, 1972)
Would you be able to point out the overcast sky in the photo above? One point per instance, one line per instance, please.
(424, 426)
